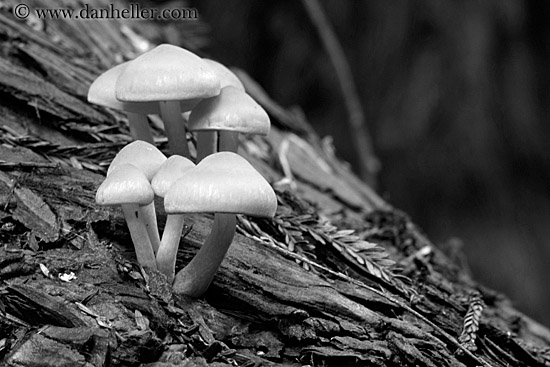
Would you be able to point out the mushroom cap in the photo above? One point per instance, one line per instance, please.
(141, 154)
(126, 184)
(226, 76)
(102, 92)
(166, 73)
(222, 183)
(231, 110)
(172, 169)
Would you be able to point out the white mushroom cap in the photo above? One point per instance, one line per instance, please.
(222, 183)
(141, 154)
(166, 73)
(126, 184)
(226, 76)
(102, 92)
(171, 170)
(231, 110)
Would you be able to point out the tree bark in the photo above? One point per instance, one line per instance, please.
(338, 277)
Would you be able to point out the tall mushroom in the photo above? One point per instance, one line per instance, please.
(102, 92)
(229, 113)
(172, 169)
(225, 184)
(128, 187)
(174, 77)
(148, 159)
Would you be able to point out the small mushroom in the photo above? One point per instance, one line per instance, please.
(225, 184)
(148, 159)
(174, 77)
(128, 187)
(102, 92)
(229, 113)
(172, 169)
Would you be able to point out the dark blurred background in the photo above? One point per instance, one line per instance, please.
(455, 94)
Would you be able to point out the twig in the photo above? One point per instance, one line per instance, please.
(288, 179)
(369, 164)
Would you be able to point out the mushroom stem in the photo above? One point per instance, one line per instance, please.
(206, 144)
(170, 111)
(194, 279)
(149, 216)
(139, 127)
(166, 255)
(138, 232)
(228, 141)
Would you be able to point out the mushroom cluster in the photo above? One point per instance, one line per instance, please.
(174, 82)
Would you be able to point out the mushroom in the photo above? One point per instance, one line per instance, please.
(128, 187)
(224, 184)
(148, 159)
(174, 77)
(207, 140)
(102, 92)
(229, 113)
(172, 169)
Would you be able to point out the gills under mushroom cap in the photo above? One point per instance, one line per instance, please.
(126, 184)
(222, 183)
(166, 73)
